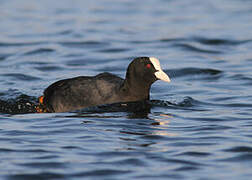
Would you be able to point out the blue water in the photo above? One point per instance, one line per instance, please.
(199, 125)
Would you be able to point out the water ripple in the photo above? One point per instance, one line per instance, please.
(21, 77)
(195, 154)
(101, 172)
(217, 42)
(240, 149)
(40, 165)
(193, 48)
(39, 51)
(46, 68)
(174, 73)
(238, 158)
(114, 50)
(18, 44)
(84, 44)
(4, 56)
(42, 175)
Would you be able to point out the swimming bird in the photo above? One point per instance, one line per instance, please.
(105, 88)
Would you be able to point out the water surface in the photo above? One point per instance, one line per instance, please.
(198, 126)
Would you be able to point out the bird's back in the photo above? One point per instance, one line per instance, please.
(83, 91)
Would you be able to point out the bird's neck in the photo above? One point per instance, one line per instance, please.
(138, 90)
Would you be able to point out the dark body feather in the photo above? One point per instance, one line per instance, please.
(105, 88)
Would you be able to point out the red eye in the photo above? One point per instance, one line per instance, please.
(148, 66)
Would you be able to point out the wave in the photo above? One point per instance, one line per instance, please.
(24, 104)
(184, 72)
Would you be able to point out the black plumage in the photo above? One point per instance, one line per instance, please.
(105, 88)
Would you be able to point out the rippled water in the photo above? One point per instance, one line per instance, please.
(198, 127)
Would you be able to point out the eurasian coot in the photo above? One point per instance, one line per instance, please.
(105, 88)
